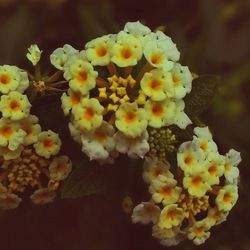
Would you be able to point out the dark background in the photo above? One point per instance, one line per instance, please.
(213, 37)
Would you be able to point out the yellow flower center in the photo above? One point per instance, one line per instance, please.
(176, 80)
(156, 59)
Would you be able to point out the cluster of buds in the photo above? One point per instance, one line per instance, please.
(120, 86)
(191, 198)
(27, 154)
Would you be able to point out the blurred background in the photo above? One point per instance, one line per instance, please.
(213, 37)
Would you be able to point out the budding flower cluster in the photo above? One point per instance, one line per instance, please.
(187, 201)
(120, 86)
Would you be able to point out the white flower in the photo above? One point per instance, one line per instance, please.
(99, 143)
(59, 56)
(43, 196)
(135, 147)
(180, 118)
(34, 54)
(182, 80)
(137, 29)
(145, 213)
(232, 159)
(10, 201)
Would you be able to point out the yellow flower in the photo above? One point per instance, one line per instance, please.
(98, 50)
(160, 113)
(135, 147)
(11, 135)
(126, 51)
(199, 232)
(171, 216)
(130, 119)
(227, 197)
(196, 182)
(60, 167)
(157, 84)
(215, 168)
(216, 217)
(9, 78)
(32, 128)
(8, 154)
(43, 196)
(59, 56)
(70, 101)
(153, 168)
(100, 143)
(15, 106)
(145, 213)
(48, 144)
(164, 189)
(189, 157)
(81, 76)
(88, 115)
(203, 139)
(181, 80)
(34, 54)
(11, 201)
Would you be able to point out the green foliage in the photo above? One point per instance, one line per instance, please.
(204, 89)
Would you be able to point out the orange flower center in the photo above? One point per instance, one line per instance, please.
(6, 132)
(5, 79)
(126, 53)
(101, 136)
(47, 143)
(188, 159)
(155, 85)
(171, 215)
(89, 114)
(196, 181)
(82, 76)
(166, 191)
(157, 110)
(14, 106)
(75, 98)
(130, 117)
(156, 59)
(101, 51)
(227, 197)
(176, 80)
(212, 170)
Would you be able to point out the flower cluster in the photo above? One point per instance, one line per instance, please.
(187, 201)
(120, 86)
(27, 154)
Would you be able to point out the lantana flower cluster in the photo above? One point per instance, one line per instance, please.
(187, 200)
(28, 155)
(121, 85)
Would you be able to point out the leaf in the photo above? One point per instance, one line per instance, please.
(87, 178)
(201, 97)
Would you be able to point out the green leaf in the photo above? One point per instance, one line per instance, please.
(87, 178)
(204, 89)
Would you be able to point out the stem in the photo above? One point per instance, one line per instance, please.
(128, 70)
(37, 73)
(101, 82)
(57, 83)
(112, 69)
(147, 67)
(53, 77)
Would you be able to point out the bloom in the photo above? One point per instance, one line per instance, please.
(15, 106)
(48, 144)
(88, 114)
(34, 54)
(43, 196)
(131, 120)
